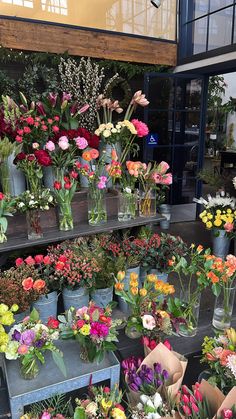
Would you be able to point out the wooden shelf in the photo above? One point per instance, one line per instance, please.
(53, 235)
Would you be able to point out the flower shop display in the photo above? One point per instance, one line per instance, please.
(219, 354)
(28, 342)
(151, 179)
(21, 285)
(93, 170)
(221, 275)
(93, 328)
(64, 191)
(219, 216)
(146, 305)
(30, 204)
(192, 272)
(153, 407)
(101, 402)
(7, 208)
(56, 407)
(6, 319)
(192, 404)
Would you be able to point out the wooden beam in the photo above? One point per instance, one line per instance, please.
(30, 36)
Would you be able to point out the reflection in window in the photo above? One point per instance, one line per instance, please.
(220, 28)
(200, 8)
(24, 3)
(199, 35)
(55, 6)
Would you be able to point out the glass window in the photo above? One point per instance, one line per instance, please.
(161, 94)
(218, 4)
(187, 128)
(161, 123)
(188, 94)
(199, 35)
(200, 8)
(220, 28)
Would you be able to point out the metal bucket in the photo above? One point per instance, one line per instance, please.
(102, 297)
(46, 306)
(77, 298)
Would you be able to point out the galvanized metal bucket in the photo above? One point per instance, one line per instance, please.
(102, 297)
(46, 306)
(77, 298)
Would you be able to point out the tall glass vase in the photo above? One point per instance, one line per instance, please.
(97, 212)
(127, 202)
(3, 237)
(33, 224)
(147, 202)
(190, 308)
(223, 308)
(29, 368)
(65, 216)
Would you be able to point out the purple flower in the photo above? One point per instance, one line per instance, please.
(99, 330)
(16, 335)
(131, 363)
(146, 374)
(133, 387)
(165, 374)
(52, 97)
(27, 337)
(158, 383)
(157, 368)
(39, 343)
(66, 96)
(137, 381)
(40, 108)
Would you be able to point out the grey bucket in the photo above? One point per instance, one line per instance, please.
(143, 274)
(165, 211)
(122, 304)
(160, 275)
(16, 178)
(48, 177)
(46, 306)
(102, 297)
(220, 244)
(77, 298)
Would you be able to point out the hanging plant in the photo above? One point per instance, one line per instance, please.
(124, 87)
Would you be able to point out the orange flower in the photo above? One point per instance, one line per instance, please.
(151, 278)
(121, 275)
(133, 283)
(224, 356)
(210, 357)
(134, 290)
(39, 285)
(28, 283)
(94, 153)
(199, 248)
(86, 155)
(133, 276)
(143, 292)
(119, 286)
(213, 277)
(171, 262)
(163, 314)
(114, 154)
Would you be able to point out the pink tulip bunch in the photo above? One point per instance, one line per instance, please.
(192, 404)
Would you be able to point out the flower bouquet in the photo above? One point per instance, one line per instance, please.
(64, 191)
(31, 203)
(6, 319)
(219, 353)
(7, 208)
(28, 342)
(56, 407)
(154, 407)
(102, 402)
(94, 329)
(146, 305)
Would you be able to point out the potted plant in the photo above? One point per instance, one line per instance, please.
(7, 208)
(30, 204)
(28, 341)
(21, 285)
(94, 329)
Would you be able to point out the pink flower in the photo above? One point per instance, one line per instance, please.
(227, 413)
(63, 143)
(149, 322)
(19, 139)
(19, 261)
(30, 120)
(141, 128)
(81, 311)
(45, 415)
(55, 128)
(101, 185)
(187, 410)
(81, 143)
(35, 146)
(157, 177)
(163, 167)
(167, 179)
(27, 130)
(167, 344)
(228, 227)
(217, 351)
(29, 260)
(194, 407)
(23, 349)
(50, 146)
(83, 109)
(98, 329)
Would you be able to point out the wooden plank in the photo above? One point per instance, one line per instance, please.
(18, 34)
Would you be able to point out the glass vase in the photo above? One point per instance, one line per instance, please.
(84, 354)
(65, 216)
(223, 308)
(29, 368)
(33, 224)
(147, 202)
(190, 309)
(127, 202)
(5, 177)
(3, 237)
(132, 329)
(97, 213)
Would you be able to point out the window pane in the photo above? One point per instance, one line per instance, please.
(161, 93)
(218, 4)
(160, 154)
(183, 191)
(188, 93)
(185, 161)
(187, 128)
(199, 35)
(160, 123)
(220, 28)
(200, 8)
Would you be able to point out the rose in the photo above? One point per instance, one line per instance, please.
(29, 261)
(27, 283)
(38, 258)
(94, 153)
(63, 143)
(52, 323)
(50, 146)
(19, 261)
(47, 260)
(43, 157)
(39, 284)
(163, 167)
(149, 322)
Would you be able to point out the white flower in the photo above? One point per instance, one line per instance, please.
(157, 400)
(11, 350)
(144, 399)
(21, 205)
(50, 198)
(139, 406)
(150, 404)
(128, 190)
(114, 130)
(231, 364)
(106, 133)
(149, 322)
(222, 339)
(31, 203)
(220, 200)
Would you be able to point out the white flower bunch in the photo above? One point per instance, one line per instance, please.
(109, 129)
(150, 407)
(220, 200)
(30, 201)
(231, 364)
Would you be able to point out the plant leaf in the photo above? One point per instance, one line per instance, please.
(59, 361)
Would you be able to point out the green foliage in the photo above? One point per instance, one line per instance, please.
(56, 404)
(130, 70)
(7, 84)
(38, 78)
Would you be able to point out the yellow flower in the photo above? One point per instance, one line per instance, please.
(3, 309)
(7, 319)
(168, 289)
(121, 275)
(209, 224)
(151, 278)
(218, 212)
(229, 211)
(230, 220)
(85, 330)
(143, 292)
(3, 338)
(204, 219)
(134, 291)
(159, 286)
(26, 416)
(14, 308)
(106, 405)
(133, 283)
(163, 314)
(217, 223)
(117, 413)
(133, 276)
(86, 317)
(210, 216)
(202, 214)
(119, 286)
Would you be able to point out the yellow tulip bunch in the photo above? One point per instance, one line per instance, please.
(218, 218)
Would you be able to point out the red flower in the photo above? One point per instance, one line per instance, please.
(30, 157)
(67, 185)
(55, 128)
(27, 130)
(74, 174)
(19, 261)
(29, 260)
(19, 139)
(59, 266)
(38, 258)
(66, 179)
(43, 157)
(1, 196)
(80, 323)
(20, 132)
(44, 127)
(106, 320)
(19, 157)
(93, 142)
(47, 260)
(106, 390)
(167, 344)
(30, 120)
(62, 258)
(52, 323)
(152, 344)
(118, 406)
(57, 185)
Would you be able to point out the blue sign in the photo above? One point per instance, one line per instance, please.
(152, 140)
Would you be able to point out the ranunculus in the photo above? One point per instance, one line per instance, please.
(52, 323)
(227, 413)
(27, 283)
(81, 143)
(29, 260)
(47, 260)
(141, 128)
(63, 143)
(19, 261)
(43, 157)
(50, 146)
(27, 130)
(30, 120)
(19, 139)
(38, 258)
(39, 285)
(149, 322)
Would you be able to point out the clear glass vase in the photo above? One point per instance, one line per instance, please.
(65, 216)
(97, 213)
(190, 309)
(84, 354)
(147, 202)
(127, 203)
(3, 237)
(33, 224)
(29, 368)
(5, 177)
(223, 308)
(132, 328)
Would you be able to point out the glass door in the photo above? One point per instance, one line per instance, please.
(176, 119)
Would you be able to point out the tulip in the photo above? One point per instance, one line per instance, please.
(157, 368)
(121, 275)
(194, 407)
(231, 334)
(185, 399)
(185, 389)
(187, 410)
(198, 395)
